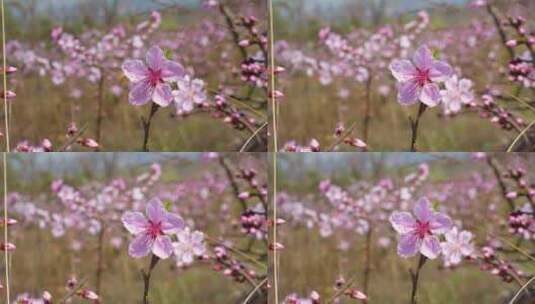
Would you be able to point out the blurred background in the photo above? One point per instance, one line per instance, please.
(68, 207)
(336, 207)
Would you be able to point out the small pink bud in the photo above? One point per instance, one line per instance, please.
(244, 195)
(9, 70)
(10, 222)
(7, 246)
(88, 294)
(9, 95)
(47, 145)
(511, 43)
(47, 297)
(512, 195)
(88, 142)
(356, 294)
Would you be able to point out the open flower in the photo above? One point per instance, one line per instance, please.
(418, 79)
(189, 245)
(457, 245)
(457, 93)
(420, 234)
(151, 232)
(190, 92)
(149, 81)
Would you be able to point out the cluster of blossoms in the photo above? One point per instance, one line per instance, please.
(489, 261)
(353, 57)
(153, 82)
(163, 234)
(522, 223)
(102, 211)
(232, 267)
(521, 68)
(92, 58)
(253, 68)
(164, 81)
(419, 81)
(359, 208)
(521, 220)
(420, 234)
(491, 110)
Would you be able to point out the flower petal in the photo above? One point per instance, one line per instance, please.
(155, 58)
(440, 223)
(402, 70)
(162, 95)
(423, 58)
(465, 236)
(172, 70)
(140, 246)
(402, 222)
(422, 210)
(451, 253)
(430, 247)
(162, 247)
(408, 93)
(465, 84)
(452, 83)
(140, 93)
(430, 95)
(135, 70)
(155, 210)
(172, 223)
(440, 71)
(408, 245)
(134, 222)
(452, 235)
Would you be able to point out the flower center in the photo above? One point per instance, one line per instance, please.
(154, 229)
(422, 77)
(155, 77)
(422, 229)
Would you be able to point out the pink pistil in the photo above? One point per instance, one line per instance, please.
(422, 229)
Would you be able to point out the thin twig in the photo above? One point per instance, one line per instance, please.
(415, 276)
(146, 278)
(146, 126)
(501, 183)
(73, 139)
(500, 30)
(521, 289)
(342, 137)
(100, 97)
(242, 149)
(522, 133)
(257, 287)
(414, 126)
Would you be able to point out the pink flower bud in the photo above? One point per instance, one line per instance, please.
(8, 95)
(244, 195)
(88, 294)
(88, 142)
(7, 246)
(512, 195)
(511, 43)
